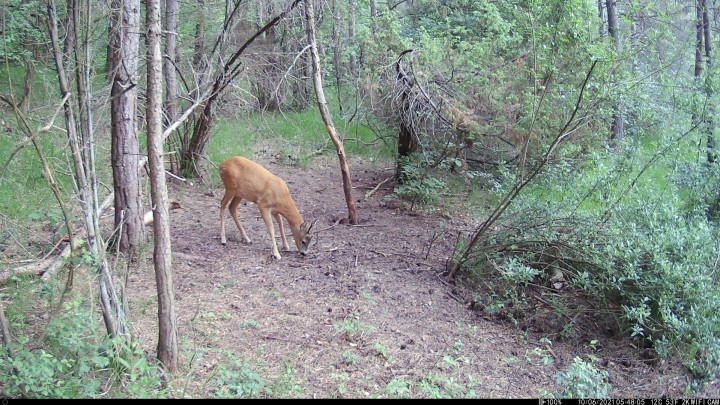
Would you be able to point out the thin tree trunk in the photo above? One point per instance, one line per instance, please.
(83, 158)
(336, 49)
(709, 124)
(698, 38)
(703, 48)
(325, 113)
(618, 127)
(125, 148)
(27, 85)
(199, 48)
(170, 60)
(167, 351)
(601, 28)
(113, 49)
(351, 38)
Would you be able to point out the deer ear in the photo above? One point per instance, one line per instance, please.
(313, 224)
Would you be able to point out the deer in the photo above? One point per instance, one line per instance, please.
(247, 180)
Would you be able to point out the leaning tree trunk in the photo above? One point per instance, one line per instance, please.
(325, 113)
(461, 259)
(125, 148)
(167, 351)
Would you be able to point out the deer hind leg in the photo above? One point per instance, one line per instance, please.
(223, 204)
(282, 231)
(233, 212)
(266, 216)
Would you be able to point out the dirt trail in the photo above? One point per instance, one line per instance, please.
(367, 312)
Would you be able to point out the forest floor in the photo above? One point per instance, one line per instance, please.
(368, 312)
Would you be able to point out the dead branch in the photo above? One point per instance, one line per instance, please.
(47, 267)
(371, 192)
(510, 196)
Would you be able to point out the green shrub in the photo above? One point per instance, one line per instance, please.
(642, 249)
(236, 380)
(76, 360)
(583, 380)
(418, 184)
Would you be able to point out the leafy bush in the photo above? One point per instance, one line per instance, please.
(583, 380)
(77, 356)
(417, 184)
(644, 249)
(237, 380)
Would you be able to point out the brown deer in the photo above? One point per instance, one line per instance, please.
(247, 180)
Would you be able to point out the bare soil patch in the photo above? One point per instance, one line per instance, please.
(369, 304)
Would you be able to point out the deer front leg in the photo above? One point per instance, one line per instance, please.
(278, 219)
(233, 212)
(265, 213)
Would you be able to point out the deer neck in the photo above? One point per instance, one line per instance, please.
(293, 217)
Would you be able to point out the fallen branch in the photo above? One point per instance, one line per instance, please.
(48, 267)
(371, 192)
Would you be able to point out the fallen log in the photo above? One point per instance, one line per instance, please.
(47, 268)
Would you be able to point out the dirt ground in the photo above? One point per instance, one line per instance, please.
(367, 312)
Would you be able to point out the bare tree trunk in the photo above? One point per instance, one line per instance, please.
(170, 60)
(322, 104)
(199, 48)
(27, 85)
(167, 351)
(170, 71)
(84, 162)
(618, 127)
(601, 28)
(336, 49)
(407, 138)
(709, 126)
(113, 50)
(703, 48)
(270, 76)
(125, 148)
(351, 38)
